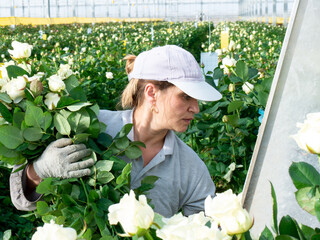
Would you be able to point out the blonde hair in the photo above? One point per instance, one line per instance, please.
(132, 95)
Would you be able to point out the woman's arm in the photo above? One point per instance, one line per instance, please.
(23, 190)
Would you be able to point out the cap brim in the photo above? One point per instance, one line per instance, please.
(199, 90)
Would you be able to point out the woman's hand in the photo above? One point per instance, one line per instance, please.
(63, 159)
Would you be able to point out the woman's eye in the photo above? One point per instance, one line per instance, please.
(186, 97)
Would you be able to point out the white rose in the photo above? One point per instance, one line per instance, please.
(51, 231)
(247, 87)
(109, 75)
(20, 50)
(238, 222)
(131, 213)
(308, 137)
(221, 204)
(232, 45)
(37, 76)
(15, 88)
(64, 71)
(227, 63)
(226, 210)
(56, 84)
(190, 228)
(219, 52)
(4, 78)
(51, 100)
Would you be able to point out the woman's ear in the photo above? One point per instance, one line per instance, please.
(150, 93)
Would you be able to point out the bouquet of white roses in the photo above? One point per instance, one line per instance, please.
(40, 104)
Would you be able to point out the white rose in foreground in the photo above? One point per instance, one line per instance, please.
(308, 137)
(109, 75)
(56, 84)
(226, 210)
(51, 100)
(132, 214)
(64, 71)
(15, 88)
(4, 78)
(52, 231)
(237, 222)
(20, 50)
(247, 87)
(193, 227)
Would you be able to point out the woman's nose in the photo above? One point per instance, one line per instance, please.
(194, 106)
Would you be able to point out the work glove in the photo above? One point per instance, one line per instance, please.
(62, 159)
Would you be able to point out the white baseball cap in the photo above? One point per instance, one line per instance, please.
(177, 66)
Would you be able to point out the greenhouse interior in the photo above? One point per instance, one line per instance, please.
(159, 119)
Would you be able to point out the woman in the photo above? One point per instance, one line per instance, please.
(164, 86)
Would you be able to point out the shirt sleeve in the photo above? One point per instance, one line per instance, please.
(17, 191)
(197, 195)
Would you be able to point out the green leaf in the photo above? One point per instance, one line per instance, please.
(15, 71)
(242, 70)
(42, 208)
(10, 136)
(274, 210)
(104, 165)
(133, 152)
(47, 120)
(71, 83)
(218, 73)
(125, 130)
(104, 177)
(122, 143)
(45, 187)
(32, 134)
(5, 97)
(125, 175)
(285, 237)
(18, 118)
(62, 125)
(34, 116)
(65, 101)
(77, 106)
(78, 94)
(7, 235)
(266, 234)
(6, 114)
(305, 202)
(317, 209)
(263, 98)
(304, 175)
(307, 231)
(80, 138)
(104, 139)
(252, 73)
(287, 226)
(79, 121)
(235, 105)
(29, 94)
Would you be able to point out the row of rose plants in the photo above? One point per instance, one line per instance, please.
(95, 55)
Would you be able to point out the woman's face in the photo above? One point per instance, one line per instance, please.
(176, 109)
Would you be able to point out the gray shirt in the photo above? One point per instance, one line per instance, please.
(184, 181)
